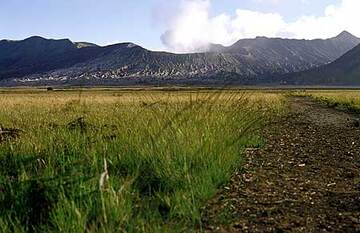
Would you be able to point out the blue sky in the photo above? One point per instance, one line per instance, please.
(145, 21)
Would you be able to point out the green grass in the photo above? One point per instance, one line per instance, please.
(118, 161)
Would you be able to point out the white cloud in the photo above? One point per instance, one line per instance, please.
(336, 18)
(192, 28)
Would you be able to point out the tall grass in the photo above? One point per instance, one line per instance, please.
(121, 161)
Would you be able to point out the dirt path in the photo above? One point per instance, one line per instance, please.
(306, 179)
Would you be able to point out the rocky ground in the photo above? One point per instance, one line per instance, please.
(306, 178)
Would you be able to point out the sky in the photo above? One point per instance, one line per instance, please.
(176, 25)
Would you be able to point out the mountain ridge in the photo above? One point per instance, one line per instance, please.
(37, 58)
(344, 71)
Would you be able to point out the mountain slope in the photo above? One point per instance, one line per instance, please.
(343, 71)
(291, 55)
(37, 55)
(37, 58)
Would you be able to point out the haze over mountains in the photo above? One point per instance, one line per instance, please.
(42, 61)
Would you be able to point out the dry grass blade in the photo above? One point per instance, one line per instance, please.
(104, 177)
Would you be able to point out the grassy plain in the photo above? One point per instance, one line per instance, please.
(346, 99)
(121, 160)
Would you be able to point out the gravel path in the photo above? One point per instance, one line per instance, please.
(306, 178)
